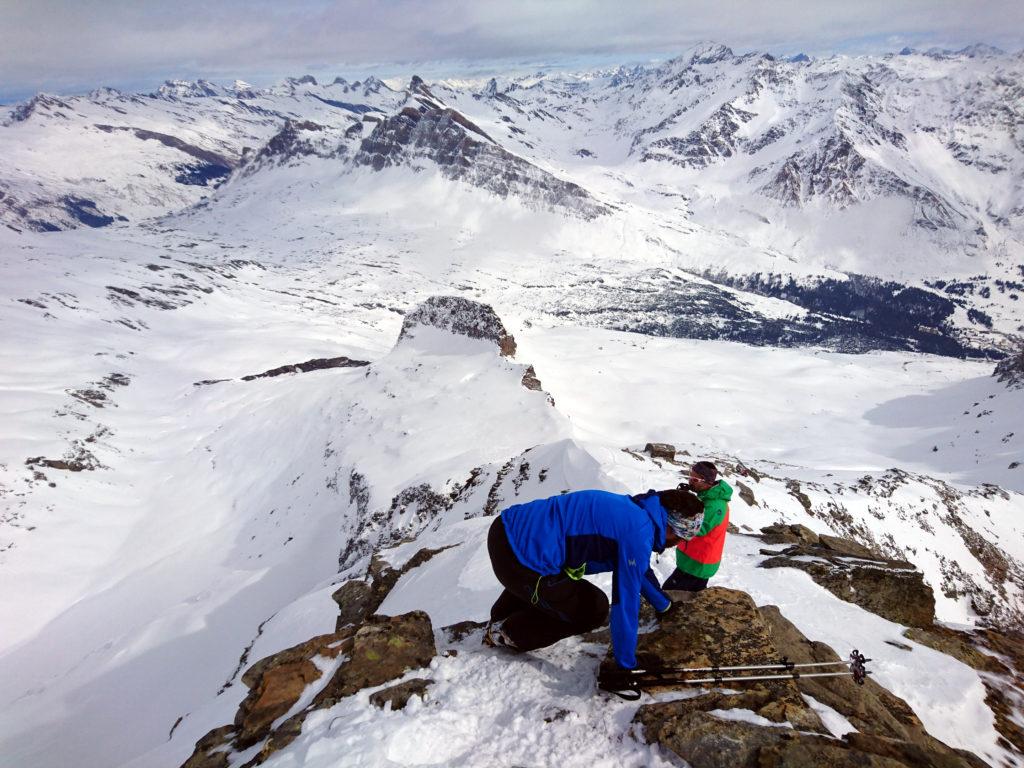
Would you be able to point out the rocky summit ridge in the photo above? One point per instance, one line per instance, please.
(387, 654)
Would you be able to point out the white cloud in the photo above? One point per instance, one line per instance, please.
(62, 44)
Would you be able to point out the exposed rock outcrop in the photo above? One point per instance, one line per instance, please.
(380, 649)
(358, 599)
(317, 364)
(398, 695)
(1010, 370)
(462, 151)
(769, 723)
(893, 589)
(463, 317)
(660, 451)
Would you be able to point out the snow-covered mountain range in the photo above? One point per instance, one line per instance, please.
(834, 186)
(230, 388)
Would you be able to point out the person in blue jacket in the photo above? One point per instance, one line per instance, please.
(540, 552)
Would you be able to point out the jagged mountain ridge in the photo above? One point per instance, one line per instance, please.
(812, 171)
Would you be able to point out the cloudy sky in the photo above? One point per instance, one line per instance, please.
(68, 46)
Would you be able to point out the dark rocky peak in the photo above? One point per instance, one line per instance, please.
(342, 81)
(462, 151)
(40, 103)
(297, 138)
(372, 85)
(419, 88)
(980, 50)
(907, 51)
(304, 80)
(104, 93)
(800, 58)
(462, 317)
(626, 75)
(491, 89)
(1010, 370)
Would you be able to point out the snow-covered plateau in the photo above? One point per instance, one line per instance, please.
(232, 390)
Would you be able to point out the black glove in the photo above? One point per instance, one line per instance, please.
(611, 676)
(668, 612)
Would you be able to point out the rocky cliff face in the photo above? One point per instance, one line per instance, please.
(462, 317)
(429, 131)
(1010, 370)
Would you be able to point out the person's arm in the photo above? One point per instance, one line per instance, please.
(651, 590)
(627, 581)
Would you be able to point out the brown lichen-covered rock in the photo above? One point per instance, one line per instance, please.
(276, 683)
(893, 589)
(355, 601)
(207, 753)
(358, 599)
(398, 695)
(724, 627)
(959, 645)
(660, 451)
(781, 533)
(847, 547)
(870, 708)
(746, 493)
(384, 648)
(707, 741)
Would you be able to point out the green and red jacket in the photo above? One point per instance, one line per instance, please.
(701, 555)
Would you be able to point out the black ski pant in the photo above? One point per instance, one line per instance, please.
(536, 610)
(680, 581)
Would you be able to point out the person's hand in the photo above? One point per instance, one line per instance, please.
(668, 612)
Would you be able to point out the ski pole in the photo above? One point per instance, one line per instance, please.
(631, 689)
(781, 665)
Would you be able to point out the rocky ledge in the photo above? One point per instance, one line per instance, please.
(373, 652)
(462, 317)
(773, 723)
(893, 589)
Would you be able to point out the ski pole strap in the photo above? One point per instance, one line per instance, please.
(627, 692)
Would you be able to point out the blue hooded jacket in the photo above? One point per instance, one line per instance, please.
(603, 532)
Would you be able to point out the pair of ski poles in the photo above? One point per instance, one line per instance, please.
(628, 684)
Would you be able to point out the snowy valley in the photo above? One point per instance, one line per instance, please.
(268, 346)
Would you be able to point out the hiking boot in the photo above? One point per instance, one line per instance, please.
(495, 637)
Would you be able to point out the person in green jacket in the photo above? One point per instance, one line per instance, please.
(697, 560)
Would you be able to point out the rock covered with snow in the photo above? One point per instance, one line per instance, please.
(314, 675)
(462, 317)
(1010, 369)
(894, 589)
